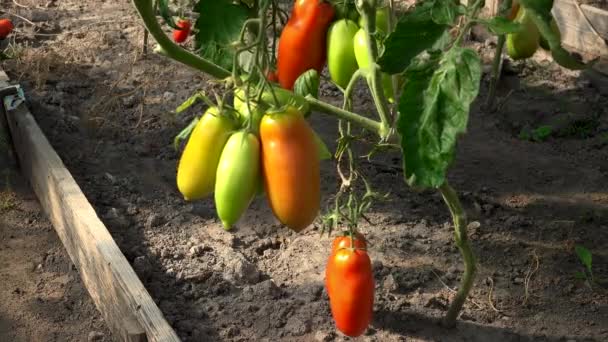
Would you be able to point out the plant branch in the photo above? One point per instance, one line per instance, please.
(462, 242)
(367, 9)
(505, 8)
(362, 121)
(170, 49)
(496, 66)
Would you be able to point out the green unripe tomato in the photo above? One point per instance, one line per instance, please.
(382, 14)
(360, 44)
(341, 61)
(523, 44)
(238, 177)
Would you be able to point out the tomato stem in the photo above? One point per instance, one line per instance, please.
(505, 8)
(146, 12)
(367, 9)
(462, 242)
(360, 120)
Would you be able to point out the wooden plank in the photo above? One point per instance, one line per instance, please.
(119, 295)
(576, 32)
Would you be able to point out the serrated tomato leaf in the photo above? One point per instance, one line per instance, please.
(218, 25)
(444, 12)
(434, 111)
(415, 32)
(307, 83)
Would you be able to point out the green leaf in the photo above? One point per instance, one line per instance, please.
(218, 26)
(323, 150)
(540, 12)
(184, 134)
(165, 13)
(307, 83)
(584, 255)
(501, 25)
(444, 12)
(580, 275)
(434, 111)
(415, 32)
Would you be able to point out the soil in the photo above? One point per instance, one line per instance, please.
(531, 192)
(42, 298)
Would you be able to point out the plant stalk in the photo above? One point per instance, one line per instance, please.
(496, 67)
(360, 120)
(462, 242)
(367, 9)
(504, 9)
(172, 50)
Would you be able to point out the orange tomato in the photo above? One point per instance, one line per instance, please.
(344, 241)
(291, 168)
(350, 286)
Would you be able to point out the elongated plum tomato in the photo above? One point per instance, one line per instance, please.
(350, 286)
(344, 241)
(237, 177)
(360, 44)
(341, 60)
(290, 165)
(302, 43)
(198, 163)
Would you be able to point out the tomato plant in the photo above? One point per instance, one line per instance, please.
(419, 71)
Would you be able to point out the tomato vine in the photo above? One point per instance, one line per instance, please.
(435, 78)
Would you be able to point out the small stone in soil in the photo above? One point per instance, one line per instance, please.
(297, 327)
(142, 266)
(324, 336)
(153, 220)
(389, 283)
(95, 336)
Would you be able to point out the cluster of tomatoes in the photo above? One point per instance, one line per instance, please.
(313, 36)
(237, 154)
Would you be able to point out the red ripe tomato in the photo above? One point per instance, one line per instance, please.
(302, 45)
(350, 286)
(184, 25)
(6, 27)
(344, 241)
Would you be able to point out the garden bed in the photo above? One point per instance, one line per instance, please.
(107, 111)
